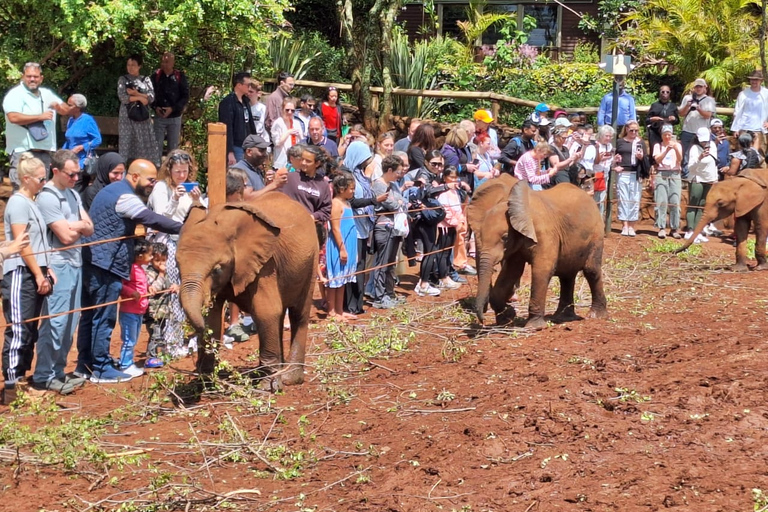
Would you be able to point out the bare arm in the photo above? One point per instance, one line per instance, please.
(337, 210)
(25, 119)
(43, 286)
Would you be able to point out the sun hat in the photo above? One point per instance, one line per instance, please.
(699, 82)
(483, 115)
(559, 113)
(703, 134)
(563, 121)
(756, 75)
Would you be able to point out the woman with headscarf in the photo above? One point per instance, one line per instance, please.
(111, 168)
(358, 159)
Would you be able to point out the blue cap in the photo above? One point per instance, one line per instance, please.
(542, 107)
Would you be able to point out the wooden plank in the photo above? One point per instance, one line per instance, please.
(217, 163)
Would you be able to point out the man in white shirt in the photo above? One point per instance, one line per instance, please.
(751, 111)
(30, 119)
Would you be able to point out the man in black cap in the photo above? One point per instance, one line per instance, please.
(254, 157)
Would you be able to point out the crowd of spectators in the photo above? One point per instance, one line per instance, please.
(376, 202)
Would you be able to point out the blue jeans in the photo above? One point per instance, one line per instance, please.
(629, 191)
(96, 325)
(130, 327)
(57, 333)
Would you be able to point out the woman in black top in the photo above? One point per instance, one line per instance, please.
(630, 152)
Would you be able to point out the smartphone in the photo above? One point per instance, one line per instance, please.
(29, 226)
(476, 161)
(189, 185)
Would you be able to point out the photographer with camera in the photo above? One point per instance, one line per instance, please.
(696, 109)
(136, 93)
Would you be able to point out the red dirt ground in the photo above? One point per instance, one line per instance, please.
(662, 406)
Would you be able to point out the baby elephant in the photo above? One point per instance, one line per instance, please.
(558, 232)
(262, 256)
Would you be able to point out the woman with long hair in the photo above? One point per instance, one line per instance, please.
(423, 141)
(384, 147)
(332, 114)
(630, 152)
(173, 197)
(284, 134)
(702, 173)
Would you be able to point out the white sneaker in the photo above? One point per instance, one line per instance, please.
(711, 230)
(662, 234)
(701, 239)
(688, 235)
(133, 371)
(631, 232)
(430, 290)
(449, 284)
(625, 232)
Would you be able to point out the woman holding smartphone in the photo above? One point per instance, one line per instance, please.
(170, 198)
(667, 189)
(702, 173)
(630, 151)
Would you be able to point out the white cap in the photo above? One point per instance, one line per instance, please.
(703, 134)
(544, 121)
(563, 121)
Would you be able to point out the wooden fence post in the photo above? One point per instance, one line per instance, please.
(495, 108)
(217, 163)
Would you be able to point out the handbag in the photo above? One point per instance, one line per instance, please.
(137, 111)
(91, 163)
(37, 130)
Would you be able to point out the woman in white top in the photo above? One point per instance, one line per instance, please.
(597, 161)
(172, 197)
(284, 133)
(668, 157)
(702, 171)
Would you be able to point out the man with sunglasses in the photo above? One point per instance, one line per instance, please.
(697, 109)
(116, 210)
(171, 97)
(67, 222)
(661, 112)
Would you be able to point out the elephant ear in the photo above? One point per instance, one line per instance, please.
(254, 244)
(750, 193)
(759, 176)
(519, 211)
(488, 195)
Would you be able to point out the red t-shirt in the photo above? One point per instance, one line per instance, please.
(330, 117)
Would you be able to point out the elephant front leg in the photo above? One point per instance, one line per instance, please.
(206, 354)
(294, 370)
(594, 276)
(761, 237)
(565, 308)
(268, 314)
(741, 230)
(540, 276)
(503, 289)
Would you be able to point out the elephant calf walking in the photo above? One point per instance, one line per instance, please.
(558, 232)
(262, 256)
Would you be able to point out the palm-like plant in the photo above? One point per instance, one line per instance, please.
(478, 22)
(291, 55)
(713, 39)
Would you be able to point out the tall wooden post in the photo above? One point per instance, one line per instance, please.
(217, 163)
(495, 109)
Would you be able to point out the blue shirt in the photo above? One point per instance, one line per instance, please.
(626, 109)
(82, 131)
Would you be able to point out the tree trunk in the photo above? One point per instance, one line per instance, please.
(763, 28)
(387, 25)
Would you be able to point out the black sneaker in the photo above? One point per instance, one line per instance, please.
(56, 385)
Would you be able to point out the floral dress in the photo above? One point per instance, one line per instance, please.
(137, 139)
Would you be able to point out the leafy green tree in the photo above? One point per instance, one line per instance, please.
(714, 39)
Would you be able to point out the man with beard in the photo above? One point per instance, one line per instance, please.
(115, 211)
(30, 119)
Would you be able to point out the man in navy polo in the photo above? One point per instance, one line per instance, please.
(316, 137)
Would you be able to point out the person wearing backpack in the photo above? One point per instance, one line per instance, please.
(171, 97)
(518, 146)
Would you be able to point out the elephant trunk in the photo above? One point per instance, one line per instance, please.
(191, 296)
(484, 275)
(705, 219)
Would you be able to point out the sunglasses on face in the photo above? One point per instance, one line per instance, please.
(436, 164)
(289, 110)
(632, 131)
(73, 175)
(40, 180)
(665, 92)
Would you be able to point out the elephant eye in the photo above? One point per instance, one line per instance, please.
(216, 270)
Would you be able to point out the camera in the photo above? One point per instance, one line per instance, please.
(131, 84)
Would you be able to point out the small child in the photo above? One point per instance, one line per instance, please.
(157, 313)
(341, 246)
(132, 311)
(294, 157)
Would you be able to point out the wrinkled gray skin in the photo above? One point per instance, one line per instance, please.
(262, 256)
(557, 231)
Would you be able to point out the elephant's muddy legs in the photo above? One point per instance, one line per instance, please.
(293, 372)
(503, 289)
(206, 355)
(594, 276)
(761, 237)
(565, 308)
(741, 230)
(537, 306)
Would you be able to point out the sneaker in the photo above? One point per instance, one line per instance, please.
(458, 279)
(701, 239)
(631, 232)
(110, 376)
(468, 270)
(82, 372)
(662, 234)
(676, 235)
(688, 235)
(625, 232)
(192, 345)
(237, 333)
(133, 371)
(154, 362)
(430, 290)
(75, 380)
(449, 284)
(56, 385)
(400, 299)
(711, 230)
(384, 303)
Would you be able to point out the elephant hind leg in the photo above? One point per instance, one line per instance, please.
(593, 273)
(565, 308)
(293, 372)
(761, 237)
(741, 230)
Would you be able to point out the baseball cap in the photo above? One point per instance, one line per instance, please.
(255, 141)
(667, 128)
(542, 107)
(563, 121)
(483, 115)
(703, 134)
(700, 81)
(716, 122)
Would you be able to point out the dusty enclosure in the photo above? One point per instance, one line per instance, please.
(663, 406)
